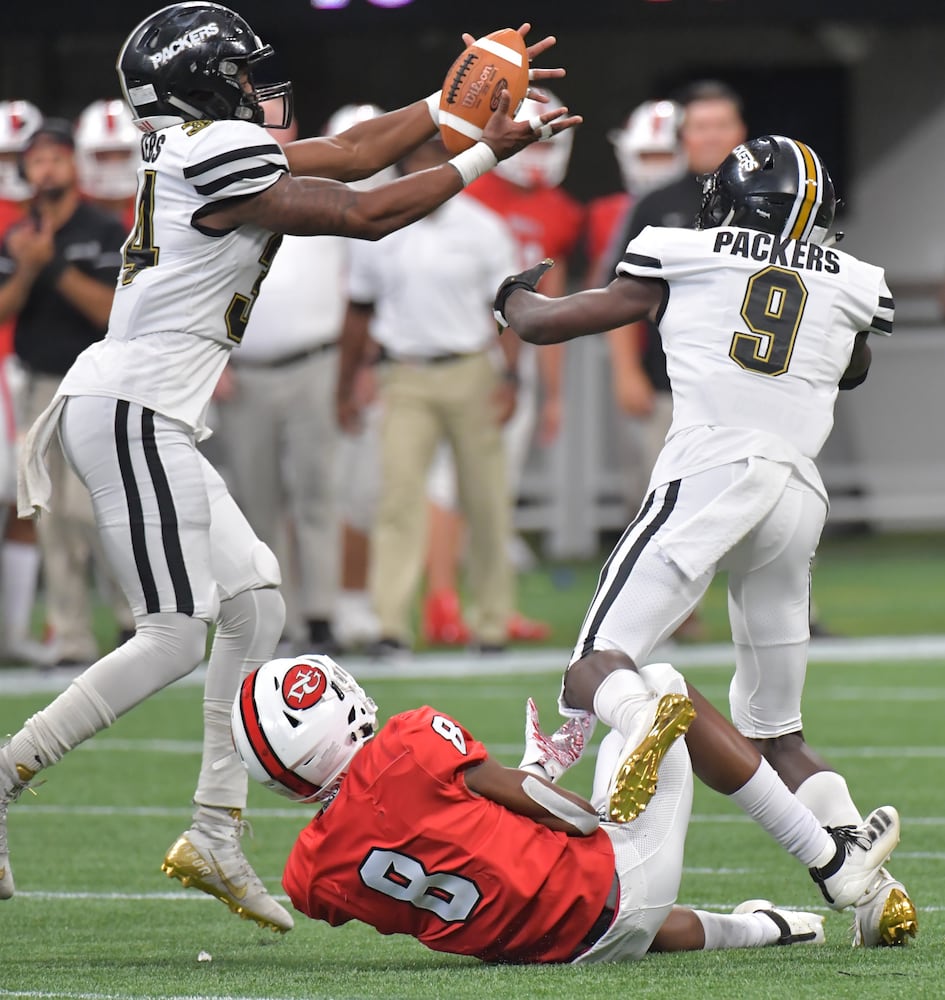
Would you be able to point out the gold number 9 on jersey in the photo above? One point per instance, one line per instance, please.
(773, 306)
(240, 307)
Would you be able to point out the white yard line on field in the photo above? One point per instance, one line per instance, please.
(437, 665)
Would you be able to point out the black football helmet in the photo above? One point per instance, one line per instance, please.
(774, 184)
(184, 63)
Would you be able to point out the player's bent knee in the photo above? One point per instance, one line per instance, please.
(174, 644)
(270, 615)
(255, 616)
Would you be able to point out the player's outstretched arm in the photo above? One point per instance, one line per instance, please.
(534, 797)
(371, 145)
(309, 206)
(538, 319)
(365, 148)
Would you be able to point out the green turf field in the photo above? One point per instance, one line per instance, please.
(94, 917)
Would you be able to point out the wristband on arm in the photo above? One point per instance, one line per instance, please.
(524, 279)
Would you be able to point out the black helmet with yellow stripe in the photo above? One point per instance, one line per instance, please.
(773, 184)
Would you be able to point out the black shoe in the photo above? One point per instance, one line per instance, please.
(387, 649)
(488, 648)
(321, 639)
(818, 631)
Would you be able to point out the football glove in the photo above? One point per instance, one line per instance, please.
(524, 279)
(549, 756)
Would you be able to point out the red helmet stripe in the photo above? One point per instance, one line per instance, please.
(267, 757)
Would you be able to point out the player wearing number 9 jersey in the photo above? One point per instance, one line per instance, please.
(762, 322)
(215, 194)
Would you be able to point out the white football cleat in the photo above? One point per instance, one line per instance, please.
(795, 926)
(14, 779)
(209, 857)
(7, 887)
(861, 851)
(884, 916)
(355, 621)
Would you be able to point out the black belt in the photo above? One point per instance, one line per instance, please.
(289, 359)
(602, 924)
(424, 359)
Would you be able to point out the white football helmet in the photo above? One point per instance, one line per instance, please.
(653, 127)
(343, 119)
(298, 722)
(540, 164)
(107, 151)
(18, 121)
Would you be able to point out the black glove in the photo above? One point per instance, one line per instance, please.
(524, 279)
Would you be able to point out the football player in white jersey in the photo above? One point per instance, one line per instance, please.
(215, 195)
(761, 322)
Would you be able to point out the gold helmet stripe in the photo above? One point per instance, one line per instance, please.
(809, 192)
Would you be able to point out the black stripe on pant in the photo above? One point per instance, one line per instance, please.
(629, 560)
(170, 538)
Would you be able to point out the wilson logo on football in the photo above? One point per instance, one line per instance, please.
(303, 686)
(499, 87)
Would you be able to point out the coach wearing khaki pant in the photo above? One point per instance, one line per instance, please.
(425, 295)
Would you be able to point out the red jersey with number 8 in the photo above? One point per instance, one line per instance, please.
(409, 849)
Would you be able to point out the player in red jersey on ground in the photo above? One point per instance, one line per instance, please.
(423, 833)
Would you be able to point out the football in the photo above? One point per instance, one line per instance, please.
(471, 89)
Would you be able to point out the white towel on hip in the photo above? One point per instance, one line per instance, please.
(33, 485)
(696, 545)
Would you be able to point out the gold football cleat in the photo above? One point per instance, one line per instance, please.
(636, 778)
(886, 918)
(214, 863)
(898, 919)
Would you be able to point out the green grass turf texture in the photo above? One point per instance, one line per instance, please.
(94, 916)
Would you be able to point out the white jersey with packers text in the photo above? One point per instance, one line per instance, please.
(757, 332)
(185, 292)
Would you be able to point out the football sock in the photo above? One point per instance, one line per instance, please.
(19, 571)
(164, 648)
(619, 697)
(49, 735)
(249, 626)
(827, 796)
(768, 801)
(736, 930)
(608, 757)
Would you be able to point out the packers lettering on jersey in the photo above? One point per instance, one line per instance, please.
(774, 250)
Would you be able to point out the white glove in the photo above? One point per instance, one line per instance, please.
(549, 756)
